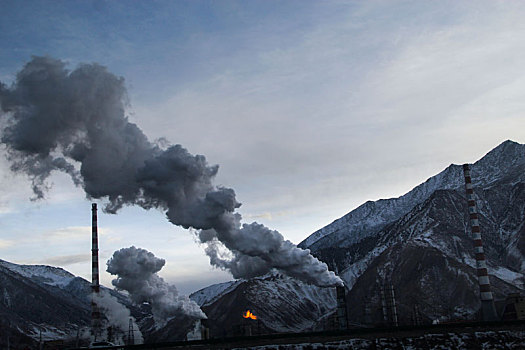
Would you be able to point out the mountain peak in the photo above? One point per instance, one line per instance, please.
(507, 159)
(507, 149)
(509, 143)
(50, 275)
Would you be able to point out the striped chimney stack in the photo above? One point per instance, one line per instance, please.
(487, 300)
(95, 284)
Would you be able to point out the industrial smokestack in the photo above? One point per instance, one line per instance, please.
(95, 283)
(393, 307)
(383, 305)
(106, 310)
(342, 316)
(488, 308)
(79, 127)
(131, 335)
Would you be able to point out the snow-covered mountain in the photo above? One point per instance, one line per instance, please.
(48, 303)
(53, 276)
(281, 304)
(507, 161)
(420, 243)
(208, 295)
(41, 301)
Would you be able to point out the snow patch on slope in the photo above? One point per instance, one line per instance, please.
(48, 333)
(211, 293)
(49, 275)
(354, 271)
(285, 304)
(507, 275)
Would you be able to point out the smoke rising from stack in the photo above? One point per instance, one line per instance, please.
(75, 122)
(136, 270)
(117, 314)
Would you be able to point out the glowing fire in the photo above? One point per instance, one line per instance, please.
(248, 314)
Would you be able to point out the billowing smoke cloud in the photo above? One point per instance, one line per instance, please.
(117, 315)
(136, 270)
(75, 122)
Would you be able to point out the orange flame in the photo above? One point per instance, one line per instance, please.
(248, 314)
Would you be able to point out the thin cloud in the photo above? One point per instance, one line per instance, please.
(66, 260)
(268, 215)
(69, 233)
(6, 243)
(372, 98)
(76, 233)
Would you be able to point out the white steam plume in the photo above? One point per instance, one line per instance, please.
(117, 314)
(136, 270)
(56, 119)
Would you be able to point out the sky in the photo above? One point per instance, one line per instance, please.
(310, 108)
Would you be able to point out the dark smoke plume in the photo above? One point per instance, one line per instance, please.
(136, 270)
(75, 122)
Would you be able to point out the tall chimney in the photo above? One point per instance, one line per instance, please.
(95, 284)
(383, 304)
(131, 333)
(393, 307)
(342, 317)
(488, 308)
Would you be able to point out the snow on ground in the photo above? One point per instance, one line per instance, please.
(461, 341)
(48, 333)
(343, 344)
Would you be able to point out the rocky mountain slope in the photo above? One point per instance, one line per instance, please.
(48, 303)
(418, 243)
(280, 303)
(41, 301)
(504, 164)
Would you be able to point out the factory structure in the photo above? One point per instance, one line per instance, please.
(100, 332)
(96, 322)
(513, 308)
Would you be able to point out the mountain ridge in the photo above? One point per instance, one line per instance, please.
(376, 214)
(421, 242)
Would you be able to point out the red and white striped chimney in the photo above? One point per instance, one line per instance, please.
(487, 300)
(95, 283)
